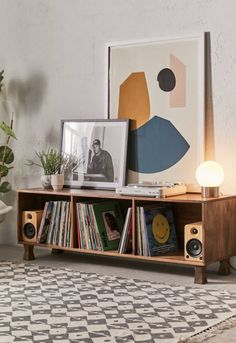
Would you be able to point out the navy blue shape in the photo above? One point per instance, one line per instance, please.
(155, 146)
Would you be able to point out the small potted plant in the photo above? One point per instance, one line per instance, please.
(50, 162)
(6, 159)
(68, 164)
(55, 165)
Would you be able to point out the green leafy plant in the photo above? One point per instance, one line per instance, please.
(69, 163)
(6, 153)
(54, 162)
(50, 160)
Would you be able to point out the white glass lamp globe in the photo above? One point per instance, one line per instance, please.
(210, 175)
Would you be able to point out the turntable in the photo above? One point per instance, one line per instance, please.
(155, 189)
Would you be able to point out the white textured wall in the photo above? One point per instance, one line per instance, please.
(53, 55)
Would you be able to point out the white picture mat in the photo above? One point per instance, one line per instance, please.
(109, 133)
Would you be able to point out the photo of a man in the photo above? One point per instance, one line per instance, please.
(101, 162)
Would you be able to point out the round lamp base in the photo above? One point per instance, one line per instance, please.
(210, 192)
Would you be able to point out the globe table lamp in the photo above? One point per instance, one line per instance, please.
(210, 175)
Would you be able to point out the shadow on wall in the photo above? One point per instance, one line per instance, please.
(53, 137)
(26, 97)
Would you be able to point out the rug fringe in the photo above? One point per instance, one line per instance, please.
(211, 332)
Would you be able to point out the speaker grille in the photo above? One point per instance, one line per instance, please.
(194, 248)
(29, 230)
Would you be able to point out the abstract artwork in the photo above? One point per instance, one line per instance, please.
(160, 87)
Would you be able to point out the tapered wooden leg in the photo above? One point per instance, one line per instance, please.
(200, 275)
(224, 268)
(28, 252)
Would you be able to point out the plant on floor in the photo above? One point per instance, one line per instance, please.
(6, 153)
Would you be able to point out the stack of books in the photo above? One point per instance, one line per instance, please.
(98, 225)
(55, 227)
(156, 233)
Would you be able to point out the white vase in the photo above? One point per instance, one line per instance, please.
(4, 209)
(46, 181)
(57, 181)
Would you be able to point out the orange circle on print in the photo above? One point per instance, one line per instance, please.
(160, 228)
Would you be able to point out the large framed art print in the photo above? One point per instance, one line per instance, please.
(159, 85)
(99, 150)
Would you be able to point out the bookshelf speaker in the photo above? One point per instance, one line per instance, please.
(30, 224)
(193, 241)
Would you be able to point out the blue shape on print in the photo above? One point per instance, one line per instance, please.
(155, 146)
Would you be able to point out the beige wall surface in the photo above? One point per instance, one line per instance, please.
(53, 54)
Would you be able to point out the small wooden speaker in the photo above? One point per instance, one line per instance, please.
(30, 224)
(193, 241)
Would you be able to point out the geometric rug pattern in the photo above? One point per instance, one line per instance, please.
(42, 304)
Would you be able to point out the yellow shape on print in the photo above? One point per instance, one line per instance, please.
(134, 101)
(160, 228)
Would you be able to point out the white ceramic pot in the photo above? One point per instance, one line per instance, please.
(57, 181)
(46, 181)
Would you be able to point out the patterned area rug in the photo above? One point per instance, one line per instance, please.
(41, 304)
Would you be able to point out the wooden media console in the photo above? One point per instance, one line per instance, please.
(218, 217)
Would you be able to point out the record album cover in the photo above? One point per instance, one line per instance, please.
(161, 234)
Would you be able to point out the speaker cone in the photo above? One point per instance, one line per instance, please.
(29, 230)
(194, 247)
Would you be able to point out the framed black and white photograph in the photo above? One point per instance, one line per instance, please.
(99, 151)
